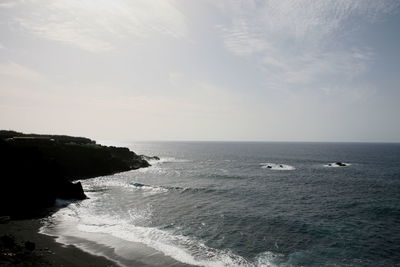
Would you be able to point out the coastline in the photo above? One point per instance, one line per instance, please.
(119, 251)
(48, 252)
(51, 250)
(60, 160)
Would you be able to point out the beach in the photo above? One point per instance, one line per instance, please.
(47, 251)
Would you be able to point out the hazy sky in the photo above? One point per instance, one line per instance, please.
(278, 70)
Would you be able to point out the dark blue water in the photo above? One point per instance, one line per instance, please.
(218, 204)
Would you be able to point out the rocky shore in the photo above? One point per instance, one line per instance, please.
(38, 169)
(35, 171)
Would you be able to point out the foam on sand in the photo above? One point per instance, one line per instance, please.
(77, 222)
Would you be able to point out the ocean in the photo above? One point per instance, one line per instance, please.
(242, 204)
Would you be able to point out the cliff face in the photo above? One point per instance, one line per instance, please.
(37, 169)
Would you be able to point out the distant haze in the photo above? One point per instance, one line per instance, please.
(278, 70)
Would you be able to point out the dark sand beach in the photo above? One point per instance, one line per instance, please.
(47, 251)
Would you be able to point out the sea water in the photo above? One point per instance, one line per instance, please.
(219, 204)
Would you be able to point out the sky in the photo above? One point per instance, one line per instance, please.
(229, 70)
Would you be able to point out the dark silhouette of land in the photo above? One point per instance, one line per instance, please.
(37, 169)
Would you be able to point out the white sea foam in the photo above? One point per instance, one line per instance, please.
(79, 221)
(178, 247)
(154, 168)
(149, 189)
(139, 216)
(106, 182)
(277, 167)
(157, 168)
(169, 160)
(266, 259)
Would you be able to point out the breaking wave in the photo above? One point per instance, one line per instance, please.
(168, 160)
(164, 189)
(76, 220)
(154, 189)
(277, 167)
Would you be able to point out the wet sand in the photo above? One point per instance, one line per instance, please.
(47, 251)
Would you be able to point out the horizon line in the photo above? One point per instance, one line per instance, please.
(248, 141)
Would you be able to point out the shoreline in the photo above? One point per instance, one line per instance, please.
(48, 252)
(52, 250)
(118, 251)
(57, 159)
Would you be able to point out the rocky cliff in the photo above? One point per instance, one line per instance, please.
(37, 169)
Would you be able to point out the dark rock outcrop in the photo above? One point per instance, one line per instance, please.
(71, 190)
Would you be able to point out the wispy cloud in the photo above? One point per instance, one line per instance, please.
(314, 67)
(306, 22)
(242, 39)
(96, 25)
(302, 42)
